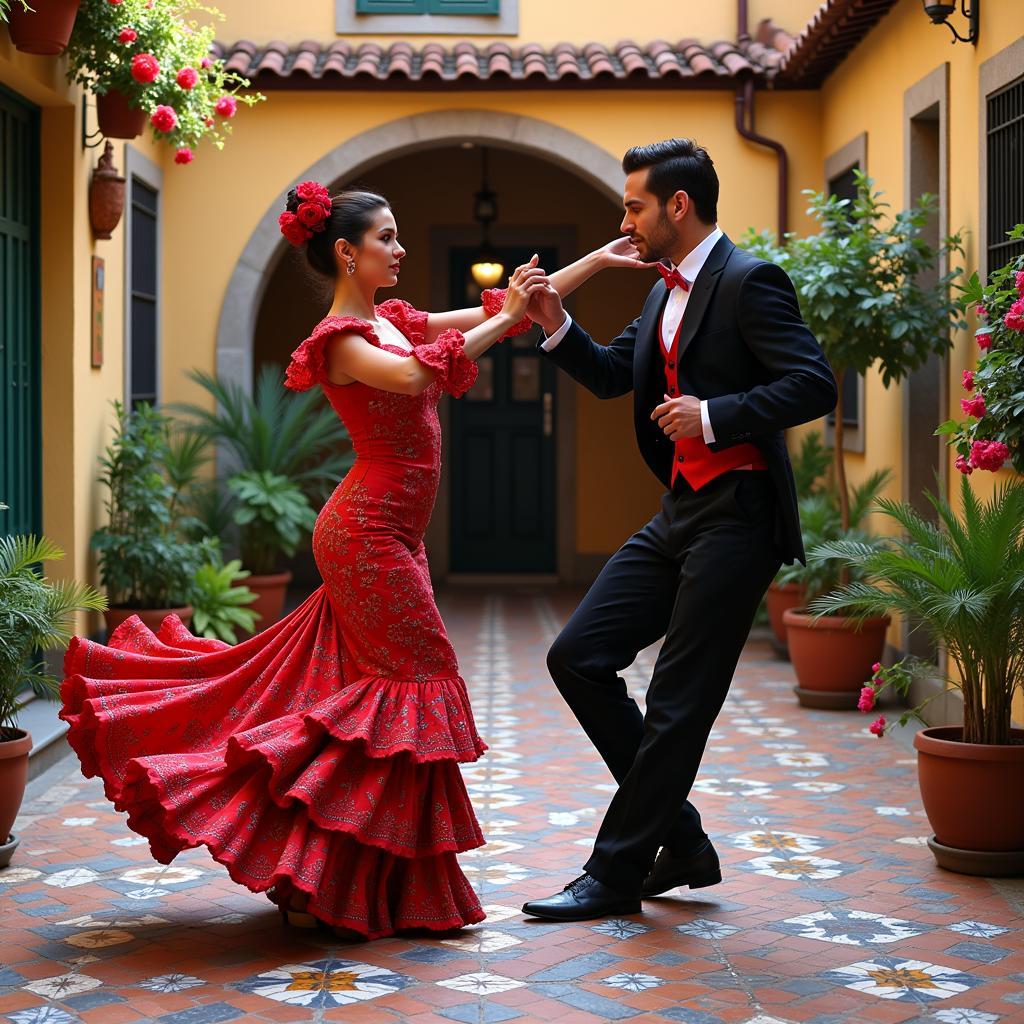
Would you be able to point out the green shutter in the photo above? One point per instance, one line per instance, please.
(20, 402)
(464, 6)
(391, 6)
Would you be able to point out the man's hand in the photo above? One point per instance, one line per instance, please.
(679, 417)
(545, 308)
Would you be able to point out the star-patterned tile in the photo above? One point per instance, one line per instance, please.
(910, 981)
(325, 983)
(849, 927)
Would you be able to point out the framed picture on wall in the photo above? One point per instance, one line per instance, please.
(98, 282)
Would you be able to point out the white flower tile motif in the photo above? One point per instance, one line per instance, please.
(776, 731)
(130, 841)
(12, 876)
(849, 927)
(486, 940)
(771, 841)
(979, 929)
(496, 912)
(803, 759)
(744, 788)
(634, 982)
(499, 826)
(619, 928)
(565, 818)
(63, 985)
(325, 983)
(892, 812)
(796, 869)
(912, 840)
(42, 1015)
(705, 928)
(481, 983)
(147, 893)
(501, 874)
(909, 981)
(494, 848)
(162, 874)
(100, 938)
(171, 983)
(78, 822)
(819, 787)
(964, 1016)
(71, 878)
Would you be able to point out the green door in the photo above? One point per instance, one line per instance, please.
(20, 417)
(502, 468)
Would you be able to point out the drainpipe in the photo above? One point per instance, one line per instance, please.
(745, 125)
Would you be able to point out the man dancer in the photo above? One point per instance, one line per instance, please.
(720, 362)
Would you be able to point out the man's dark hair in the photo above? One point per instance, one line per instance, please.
(678, 165)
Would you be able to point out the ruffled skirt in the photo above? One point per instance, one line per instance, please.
(295, 777)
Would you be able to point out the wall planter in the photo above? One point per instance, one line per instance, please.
(779, 599)
(270, 594)
(151, 617)
(15, 745)
(832, 656)
(106, 196)
(117, 117)
(972, 796)
(46, 30)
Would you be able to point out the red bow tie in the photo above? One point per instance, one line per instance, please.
(672, 278)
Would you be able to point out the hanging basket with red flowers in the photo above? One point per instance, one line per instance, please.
(151, 61)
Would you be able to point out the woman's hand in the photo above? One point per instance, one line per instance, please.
(621, 252)
(527, 279)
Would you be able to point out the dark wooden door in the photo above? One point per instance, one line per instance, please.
(504, 514)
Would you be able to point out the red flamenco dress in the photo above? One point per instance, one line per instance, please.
(319, 757)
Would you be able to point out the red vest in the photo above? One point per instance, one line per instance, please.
(694, 460)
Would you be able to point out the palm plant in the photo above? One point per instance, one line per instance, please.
(35, 615)
(962, 579)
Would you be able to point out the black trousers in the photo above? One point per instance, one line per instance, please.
(695, 575)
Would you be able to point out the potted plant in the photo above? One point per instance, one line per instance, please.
(993, 431)
(282, 452)
(832, 656)
(35, 615)
(146, 59)
(43, 30)
(146, 564)
(219, 600)
(809, 466)
(963, 581)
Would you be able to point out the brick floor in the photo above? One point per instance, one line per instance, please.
(832, 909)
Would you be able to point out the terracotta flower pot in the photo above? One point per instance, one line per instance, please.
(780, 597)
(15, 745)
(832, 656)
(152, 617)
(46, 29)
(972, 796)
(117, 118)
(270, 593)
(106, 195)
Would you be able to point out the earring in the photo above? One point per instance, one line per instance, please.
(351, 267)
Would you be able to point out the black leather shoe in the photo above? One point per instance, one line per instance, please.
(697, 870)
(581, 900)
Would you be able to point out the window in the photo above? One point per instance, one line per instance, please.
(427, 17)
(142, 287)
(427, 6)
(1005, 144)
(842, 183)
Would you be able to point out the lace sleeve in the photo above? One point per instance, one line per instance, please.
(456, 372)
(412, 322)
(492, 300)
(308, 364)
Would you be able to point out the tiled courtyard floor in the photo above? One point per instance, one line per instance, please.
(832, 909)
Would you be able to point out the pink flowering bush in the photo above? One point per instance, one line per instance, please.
(162, 61)
(992, 436)
(960, 581)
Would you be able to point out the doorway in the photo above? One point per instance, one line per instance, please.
(504, 512)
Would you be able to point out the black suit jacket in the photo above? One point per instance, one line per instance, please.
(743, 346)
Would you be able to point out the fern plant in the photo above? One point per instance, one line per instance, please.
(35, 615)
(962, 580)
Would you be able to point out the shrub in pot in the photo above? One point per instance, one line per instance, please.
(145, 562)
(282, 453)
(831, 655)
(809, 467)
(219, 600)
(963, 581)
(36, 614)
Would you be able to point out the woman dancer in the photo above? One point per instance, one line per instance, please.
(318, 760)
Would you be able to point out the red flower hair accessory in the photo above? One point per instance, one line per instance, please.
(313, 210)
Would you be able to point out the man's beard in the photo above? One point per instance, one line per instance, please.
(663, 241)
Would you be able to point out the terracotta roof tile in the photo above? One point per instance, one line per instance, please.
(627, 64)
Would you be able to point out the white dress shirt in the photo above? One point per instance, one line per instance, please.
(675, 307)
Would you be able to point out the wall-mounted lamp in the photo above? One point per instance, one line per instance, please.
(939, 13)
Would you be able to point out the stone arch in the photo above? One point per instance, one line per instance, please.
(236, 326)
